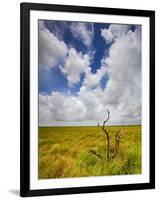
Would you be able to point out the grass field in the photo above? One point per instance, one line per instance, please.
(65, 152)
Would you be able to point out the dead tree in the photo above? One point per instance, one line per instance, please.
(111, 152)
(107, 134)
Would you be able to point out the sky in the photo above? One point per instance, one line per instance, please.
(86, 68)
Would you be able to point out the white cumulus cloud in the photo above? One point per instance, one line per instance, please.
(75, 65)
(114, 31)
(83, 32)
(52, 51)
(123, 91)
(93, 79)
(61, 108)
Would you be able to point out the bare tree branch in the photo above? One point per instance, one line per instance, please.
(106, 119)
(95, 153)
(116, 146)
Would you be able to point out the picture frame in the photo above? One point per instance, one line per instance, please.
(30, 14)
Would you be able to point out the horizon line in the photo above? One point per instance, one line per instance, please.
(92, 125)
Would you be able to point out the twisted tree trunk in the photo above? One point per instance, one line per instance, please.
(107, 135)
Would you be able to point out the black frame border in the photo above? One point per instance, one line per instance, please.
(25, 9)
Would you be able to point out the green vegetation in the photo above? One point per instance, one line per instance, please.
(65, 152)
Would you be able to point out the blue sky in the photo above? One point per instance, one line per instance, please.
(89, 64)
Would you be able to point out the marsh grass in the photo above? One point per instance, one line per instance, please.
(65, 152)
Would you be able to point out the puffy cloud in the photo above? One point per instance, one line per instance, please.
(93, 79)
(83, 32)
(52, 51)
(114, 31)
(123, 91)
(75, 65)
(92, 100)
(107, 35)
(60, 107)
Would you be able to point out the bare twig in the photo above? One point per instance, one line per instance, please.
(106, 119)
(95, 153)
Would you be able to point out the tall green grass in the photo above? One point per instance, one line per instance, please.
(65, 152)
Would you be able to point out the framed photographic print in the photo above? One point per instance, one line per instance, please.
(87, 99)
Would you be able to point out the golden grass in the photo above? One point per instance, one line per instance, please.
(65, 152)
